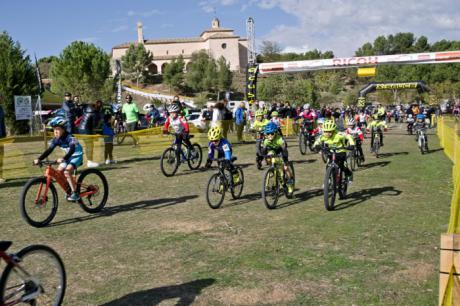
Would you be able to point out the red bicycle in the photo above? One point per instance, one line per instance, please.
(38, 202)
(35, 275)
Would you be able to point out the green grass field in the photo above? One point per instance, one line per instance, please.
(158, 242)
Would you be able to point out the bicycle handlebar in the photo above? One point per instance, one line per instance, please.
(46, 163)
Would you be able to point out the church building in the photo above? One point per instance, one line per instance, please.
(216, 41)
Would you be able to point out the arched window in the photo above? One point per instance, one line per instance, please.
(153, 68)
(163, 68)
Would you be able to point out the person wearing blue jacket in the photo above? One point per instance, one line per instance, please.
(240, 120)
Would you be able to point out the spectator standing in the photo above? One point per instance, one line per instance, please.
(241, 116)
(131, 114)
(86, 128)
(70, 112)
(108, 133)
(218, 115)
(227, 119)
(2, 135)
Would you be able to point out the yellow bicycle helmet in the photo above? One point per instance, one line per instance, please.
(329, 126)
(215, 133)
(259, 112)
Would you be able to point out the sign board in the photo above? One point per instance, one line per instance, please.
(23, 107)
(366, 72)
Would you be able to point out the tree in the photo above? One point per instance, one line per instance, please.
(135, 63)
(82, 69)
(174, 73)
(270, 50)
(17, 77)
(45, 64)
(224, 75)
(202, 72)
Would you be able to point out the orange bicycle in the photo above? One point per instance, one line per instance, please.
(38, 202)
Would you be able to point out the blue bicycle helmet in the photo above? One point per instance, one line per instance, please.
(57, 121)
(421, 116)
(271, 128)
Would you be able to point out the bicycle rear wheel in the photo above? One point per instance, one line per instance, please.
(376, 146)
(169, 162)
(36, 208)
(351, 160)
(330, 188)
(237, 188)
(195, 157)
(270, 188)
(358, 158)
(44, 282)
(302, 143)
(343, 186)
(421, 144)
(93, 189)
(288, 194)
(215, 191)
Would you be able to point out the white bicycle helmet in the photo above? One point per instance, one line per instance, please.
(306, 106)
(173, 108)
(147, 107)
(351, 121)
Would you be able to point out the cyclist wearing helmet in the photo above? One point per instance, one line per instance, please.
(224, 150)
(332, 138)
(258, 127)
(73, 157)
(275, 143)
(357, 135)
(376, 125)
(179, 125)
(420, 124)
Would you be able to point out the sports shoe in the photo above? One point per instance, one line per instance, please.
(74, 197)
(236, 178)
(290, 185)
(92, 164)
(107, 162)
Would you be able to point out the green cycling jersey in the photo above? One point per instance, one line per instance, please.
(338, 140)
(260, 125)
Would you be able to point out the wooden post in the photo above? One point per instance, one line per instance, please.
(449, 272)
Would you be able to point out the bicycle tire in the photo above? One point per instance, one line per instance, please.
(237, 189)
(86, 202)
(343, 186)
(302, 143)
(351, 160)
(120, 138)
(289, 195)
(330, 188)
(45, 269)
(25, 214)
(323, 156)
(169, 156)
(376, 146)
(211, 187)
(270, 191)
(195, 161)
(358, 158)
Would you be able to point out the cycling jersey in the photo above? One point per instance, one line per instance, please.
(378, 124)
(70, 145)
(224, 149)
(260, 125)
(308, 115)
(356, 133)
(338, 140)
(276, 145)
(179, 125)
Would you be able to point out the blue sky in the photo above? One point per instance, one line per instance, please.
(46, 27)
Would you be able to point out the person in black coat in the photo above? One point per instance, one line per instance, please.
(70, 112)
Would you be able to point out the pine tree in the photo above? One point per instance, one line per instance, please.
(135, 63)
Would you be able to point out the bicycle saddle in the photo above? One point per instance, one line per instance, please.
(4, 245)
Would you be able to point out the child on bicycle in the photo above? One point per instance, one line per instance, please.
(73, 157)
(420, 124)
(332, 138)
(258, 127)
(274, 143)
(179, 125)
(224, 150)
(357, 135)
(376, 125)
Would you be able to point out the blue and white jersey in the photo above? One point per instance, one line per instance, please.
(65, 142)
(224, 149)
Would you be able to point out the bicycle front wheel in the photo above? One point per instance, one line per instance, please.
(237, 188)
(302, 144)
(376, 147)
(351, 159)
(330, 188)
(169, 162)
(36, 207)
(93, 189)
(421, 144)
(215, 191)
(270, 188)
(195, 157)
(40, 281)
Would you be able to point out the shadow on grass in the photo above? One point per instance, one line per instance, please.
(373, 165)
(186, 293)
(14, 183)
(113, 210)
(243, 200)
(113, 167)
(361, 196)
(138, 159)
(304, 161)
(302, 197)
(434, 151)
(384, 155)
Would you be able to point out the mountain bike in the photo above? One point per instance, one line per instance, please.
(222, 181)
(275, 179)
(354, 157)
(306, 139)
(421, 141)
(375, 135)
(119, 128)
(172, 157)
(38, 201)
(335, 181)
(35, 275)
